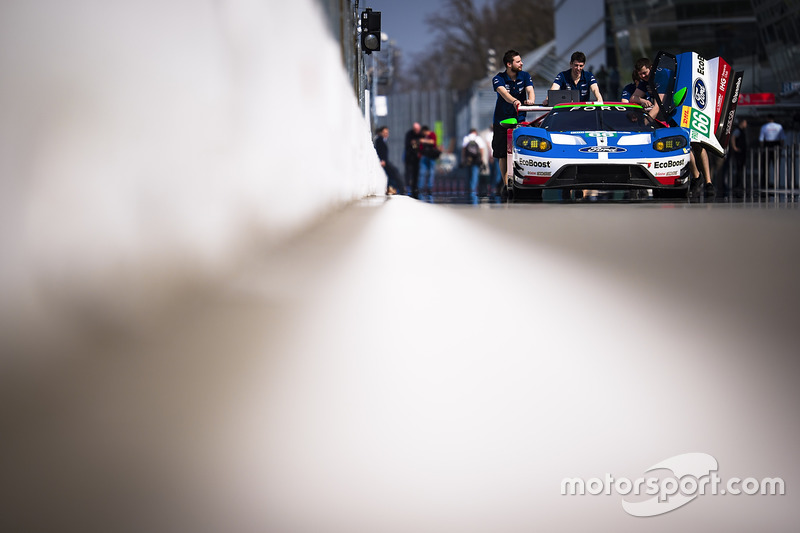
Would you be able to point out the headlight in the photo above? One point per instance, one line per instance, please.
(535, 144)
(669, 144)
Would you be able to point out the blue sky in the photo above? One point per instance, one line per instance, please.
(404, 21)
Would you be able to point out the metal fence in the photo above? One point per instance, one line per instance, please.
(771, 172)
(436, 109)
(342, 17)
(781, 169)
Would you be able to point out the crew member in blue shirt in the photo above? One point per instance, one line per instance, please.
(628, 90)
(514, 87)
(641, 75)
(661, 77)
(701, 183)
(577, 78)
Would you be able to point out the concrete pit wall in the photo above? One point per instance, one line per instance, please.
(144, 144)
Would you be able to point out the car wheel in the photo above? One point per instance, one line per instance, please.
(533, 195)
(671, 194)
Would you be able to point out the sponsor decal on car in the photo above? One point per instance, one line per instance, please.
(700, 93)
(707, 85)
(603, 149)
(698, 122)
(685, 116)
(597, 107)
(670, 163)
(722, 87)
(735, 99)
(602, 134)
(535, 163)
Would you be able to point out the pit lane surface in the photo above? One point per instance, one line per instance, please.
(405, 366)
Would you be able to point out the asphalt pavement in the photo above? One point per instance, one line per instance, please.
(429, 366)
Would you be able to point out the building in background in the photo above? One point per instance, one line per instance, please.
(760, 36)
(779, 34)
(580, 26)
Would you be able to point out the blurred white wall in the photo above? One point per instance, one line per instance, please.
(145, 143)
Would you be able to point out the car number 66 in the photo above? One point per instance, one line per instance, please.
(700, 122)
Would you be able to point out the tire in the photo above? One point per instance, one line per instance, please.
(532, 195)
(671, 194)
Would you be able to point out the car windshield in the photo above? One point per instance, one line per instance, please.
(598, 118)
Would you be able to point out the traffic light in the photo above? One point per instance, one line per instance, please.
(370, 30)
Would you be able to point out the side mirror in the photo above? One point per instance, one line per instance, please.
(509, 123)
(679, 97)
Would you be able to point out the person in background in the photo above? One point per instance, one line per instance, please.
(772, 133)
(473, 149)
(628, 90)
(514, 87)
(411, 157)
(392, 174)
(641, 76)
(701, 182)
(493, 186)
(429, 153)
(577, 78)
(739, 147)
(771, 137)
(584, 81)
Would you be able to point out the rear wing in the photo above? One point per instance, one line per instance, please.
(699, 95)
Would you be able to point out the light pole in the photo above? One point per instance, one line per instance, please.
(491, 62)
(376, 75)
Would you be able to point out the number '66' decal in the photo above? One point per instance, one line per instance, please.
(700, 122)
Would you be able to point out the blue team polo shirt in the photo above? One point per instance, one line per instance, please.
(627, 92)
(660, 81)
(503, 109)
(564, 81)
(641, 85)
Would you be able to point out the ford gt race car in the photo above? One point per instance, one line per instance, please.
(597, 146)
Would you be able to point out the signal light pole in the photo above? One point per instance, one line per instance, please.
(370, 31)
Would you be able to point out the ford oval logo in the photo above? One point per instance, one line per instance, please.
(602, 149)
(700, 94)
